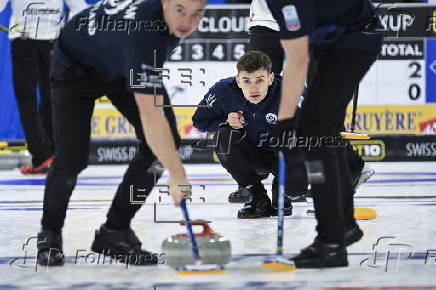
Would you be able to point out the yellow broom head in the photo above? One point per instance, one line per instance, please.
(200, 269)
(278, 264)
(355, 136)
(364, 214)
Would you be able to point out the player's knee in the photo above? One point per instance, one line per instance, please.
(223, 134)
(227, 137)
(145, 162)
(69, 167)
(144, 155)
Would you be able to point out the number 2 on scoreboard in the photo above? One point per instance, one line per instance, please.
(414, 88)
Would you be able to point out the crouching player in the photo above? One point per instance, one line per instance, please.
(242, 112)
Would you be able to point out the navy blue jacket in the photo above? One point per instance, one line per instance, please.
(346, 24)
(226, 97)
(98, 43)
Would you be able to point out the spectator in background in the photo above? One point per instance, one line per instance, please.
(33, 27)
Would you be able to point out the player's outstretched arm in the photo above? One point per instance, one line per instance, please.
(158, 136)
(294, 74)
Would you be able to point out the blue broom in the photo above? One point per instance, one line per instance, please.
(278, 263)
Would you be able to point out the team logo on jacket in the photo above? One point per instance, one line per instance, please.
(292, 20)
(271, 118)
(115, 6)
(210, 100)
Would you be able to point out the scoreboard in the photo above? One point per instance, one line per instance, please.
(397, 96)
(210, 50)
(222, 35)
(404, 73)
(399, 75)
(210, 53)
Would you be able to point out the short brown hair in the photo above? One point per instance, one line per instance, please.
(254, 60)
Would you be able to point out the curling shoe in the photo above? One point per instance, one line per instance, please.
(321, 255)
(123, 245)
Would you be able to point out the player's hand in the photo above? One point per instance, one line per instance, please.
(179, 188)
(285, 133)
(235, 120)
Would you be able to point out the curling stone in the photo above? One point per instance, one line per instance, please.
(213, 248)
(9, 159)
(25, 158)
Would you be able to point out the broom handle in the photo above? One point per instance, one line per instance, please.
(281, 203)
(353, 117)
(4, 29)
(188, 223)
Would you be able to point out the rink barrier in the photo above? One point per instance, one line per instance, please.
(13, 154)
(383, 148)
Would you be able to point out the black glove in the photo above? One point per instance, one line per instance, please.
(285, 135)
(296, 177)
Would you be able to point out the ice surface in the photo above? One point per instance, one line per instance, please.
(403, 194)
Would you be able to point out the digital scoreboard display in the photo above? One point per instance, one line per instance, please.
(396, 97)
(405, 72)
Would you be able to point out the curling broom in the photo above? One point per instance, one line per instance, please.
(353, 135)
(4, 29)
(278, 263)
(198, 267)
(360, 213)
